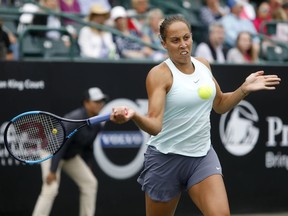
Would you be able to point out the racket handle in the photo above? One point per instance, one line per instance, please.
(98, 119)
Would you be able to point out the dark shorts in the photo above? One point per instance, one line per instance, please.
(167, 175)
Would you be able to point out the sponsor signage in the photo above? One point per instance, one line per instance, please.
(251, 139)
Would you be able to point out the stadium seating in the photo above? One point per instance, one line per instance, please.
(30, 47)
(271, 48)
(33, 46)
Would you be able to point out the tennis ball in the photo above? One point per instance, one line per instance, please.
(205, 92)
(54, 131)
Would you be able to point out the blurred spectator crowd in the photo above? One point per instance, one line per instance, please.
(232, 31)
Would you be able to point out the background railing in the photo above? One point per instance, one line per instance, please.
(271, 49)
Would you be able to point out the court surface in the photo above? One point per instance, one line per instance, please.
(263, 214)
(255, 214)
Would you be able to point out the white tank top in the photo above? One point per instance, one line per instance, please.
(186, 122)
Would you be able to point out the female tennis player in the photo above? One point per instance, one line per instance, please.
(181, 93)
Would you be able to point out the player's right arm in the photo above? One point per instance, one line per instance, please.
(157, 85)
(158, 82)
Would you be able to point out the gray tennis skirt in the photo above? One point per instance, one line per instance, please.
(166, 175)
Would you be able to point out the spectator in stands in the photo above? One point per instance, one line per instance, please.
(244, 52)
(126, 47)
(212, 11)
(14, 46)
(248, 11)
(276, 10)
(279, 14)
(93, 42)
(137, 14)
(213, 50)
(5, 45)
(233, 23)
(46, 16)
(276, 31)
(151, 29)
(26, 17)
(48, 20)
(263, 15)
(285, 7)
(275, 5)
(281, 33)
(85, 5)
(69, 6)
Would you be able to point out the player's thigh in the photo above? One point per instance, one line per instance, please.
(210, 196)
(157, 208)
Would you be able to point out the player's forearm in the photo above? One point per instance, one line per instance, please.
(150, 125)
(229, 100)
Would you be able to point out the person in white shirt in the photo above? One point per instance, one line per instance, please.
(93, 42)
(233, 23)
(213, 50)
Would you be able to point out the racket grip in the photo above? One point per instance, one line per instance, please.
(98, 119)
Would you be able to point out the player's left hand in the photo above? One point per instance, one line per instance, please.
(258, 81)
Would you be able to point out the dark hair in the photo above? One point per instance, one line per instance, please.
(250, 51)
(168, 21)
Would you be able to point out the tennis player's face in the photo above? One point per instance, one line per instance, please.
(178, 42)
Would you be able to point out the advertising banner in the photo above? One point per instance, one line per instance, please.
(251, 140)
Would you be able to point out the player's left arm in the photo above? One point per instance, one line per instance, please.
(256, 81)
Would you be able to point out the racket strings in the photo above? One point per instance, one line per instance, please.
(35, 137)
(54, 138)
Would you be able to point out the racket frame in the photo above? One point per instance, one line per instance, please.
(90, 121)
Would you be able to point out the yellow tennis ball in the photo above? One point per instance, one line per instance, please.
(205, 92)
(54, 131)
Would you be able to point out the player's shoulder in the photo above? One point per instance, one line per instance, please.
(204, 61)
(159, 73)
(160, 68)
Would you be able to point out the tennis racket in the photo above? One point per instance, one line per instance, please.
(35, 136)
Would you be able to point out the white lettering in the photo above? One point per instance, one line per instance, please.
(278, 160)
(284, 142)
(14, 84)
(29, 84)
(276, 127)
(21, 85)
(3, 84)
(122, 139)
